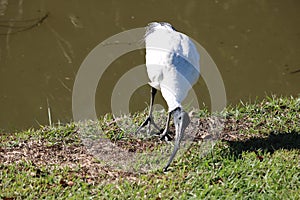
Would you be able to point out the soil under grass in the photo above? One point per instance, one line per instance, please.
(257, 157)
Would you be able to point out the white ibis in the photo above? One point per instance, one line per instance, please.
(172, 62)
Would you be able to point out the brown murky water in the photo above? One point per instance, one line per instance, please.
(255, 45)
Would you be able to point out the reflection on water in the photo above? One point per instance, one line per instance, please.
(255, 44)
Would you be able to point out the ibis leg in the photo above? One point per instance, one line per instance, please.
(149, 119)
(166, 130)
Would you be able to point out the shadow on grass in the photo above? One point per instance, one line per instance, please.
(270, 144)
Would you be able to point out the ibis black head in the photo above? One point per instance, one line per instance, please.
(181, 121)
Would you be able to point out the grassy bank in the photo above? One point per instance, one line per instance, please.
(257, 157)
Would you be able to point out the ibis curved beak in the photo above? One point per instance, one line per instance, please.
(181, 121)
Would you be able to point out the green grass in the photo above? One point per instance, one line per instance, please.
(257, 157)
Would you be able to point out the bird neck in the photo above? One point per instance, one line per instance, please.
(177, 109)
(170, 98)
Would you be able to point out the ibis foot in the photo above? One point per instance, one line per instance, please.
(148, 122)
(165, 137)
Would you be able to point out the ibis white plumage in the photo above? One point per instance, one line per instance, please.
(172, 62)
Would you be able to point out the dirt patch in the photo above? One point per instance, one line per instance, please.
(60, 154)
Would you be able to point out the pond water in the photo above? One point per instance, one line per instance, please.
(255, 45)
